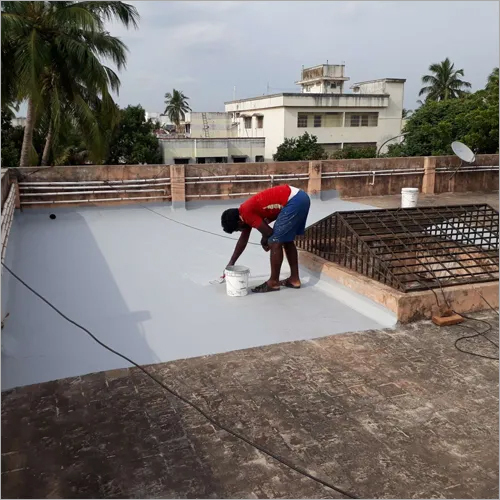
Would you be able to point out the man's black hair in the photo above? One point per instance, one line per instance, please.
(230, 220)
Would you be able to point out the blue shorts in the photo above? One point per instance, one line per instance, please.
(291, 220)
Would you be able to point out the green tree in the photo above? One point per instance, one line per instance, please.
(133, 140)
(492, 83)
(302, 148)
(9, 85)
(472, 120)
(12, 140)
(176, 106)
(57, 67)
(444, 82)
(350, 152)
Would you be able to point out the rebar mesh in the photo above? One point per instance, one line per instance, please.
(412, 248)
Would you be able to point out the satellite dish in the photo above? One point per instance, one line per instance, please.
(463, 152)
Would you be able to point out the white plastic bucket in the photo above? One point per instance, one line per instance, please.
(409, 197)
(237, 281)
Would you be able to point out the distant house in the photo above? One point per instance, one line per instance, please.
(19, 121)
(367, 116)
(206, 137)
(250, 130)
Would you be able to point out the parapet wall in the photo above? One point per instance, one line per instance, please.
(126, 184)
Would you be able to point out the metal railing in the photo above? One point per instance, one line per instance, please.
(413, 248)
(58, 192)
(7, 217)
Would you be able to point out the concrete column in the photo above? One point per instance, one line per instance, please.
(314, 184)
(429, 181)
(178, 186)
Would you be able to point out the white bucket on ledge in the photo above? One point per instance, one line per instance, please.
(409, 197)
(237, 281)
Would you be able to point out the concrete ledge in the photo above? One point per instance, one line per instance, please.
(410, 306)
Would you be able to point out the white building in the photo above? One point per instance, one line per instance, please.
(157, 117)
(19, 121)
(368, 116)
(184, 150)
(209, 137)
(210, 125)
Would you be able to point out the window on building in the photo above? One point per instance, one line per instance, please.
(259, 158)
(302, 120)
(248, 122)
(360, 145)
(221, 159)
(361, 119)
(181, 161)
(201, 160)
(239, 159)
(354, 121)
(188, 128)
(317, 120)
(330, 148)
(333, 85)
(260, 122)
(333, 120)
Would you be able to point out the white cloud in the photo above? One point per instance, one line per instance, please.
(205, 48)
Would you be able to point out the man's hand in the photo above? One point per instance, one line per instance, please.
(264, 243)
(266, 232)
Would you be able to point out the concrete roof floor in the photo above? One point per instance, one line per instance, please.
(382, 414)
(141, 284)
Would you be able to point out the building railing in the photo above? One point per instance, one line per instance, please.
(57, 192)
(411, 249)
(7, 217)
(178, 183)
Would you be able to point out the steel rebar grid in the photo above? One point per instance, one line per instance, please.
(411, 249)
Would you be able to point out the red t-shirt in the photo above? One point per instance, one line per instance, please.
(265, 205)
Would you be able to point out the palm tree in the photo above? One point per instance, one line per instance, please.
(406, 113)
(9, 97)
(177, 106)
(57, 62)
(444, 83)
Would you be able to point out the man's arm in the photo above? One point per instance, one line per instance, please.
(241, 245)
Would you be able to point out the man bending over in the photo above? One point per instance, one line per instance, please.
(286, 205)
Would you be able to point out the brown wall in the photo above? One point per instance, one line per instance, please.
(382, 185)
(5, 185)
(224, 189)
(466, 182)
(347, 187)
(95, 173)
(373, 164)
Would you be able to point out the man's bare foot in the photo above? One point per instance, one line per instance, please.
(289, 283)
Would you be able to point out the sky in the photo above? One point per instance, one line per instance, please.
(207, 48)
